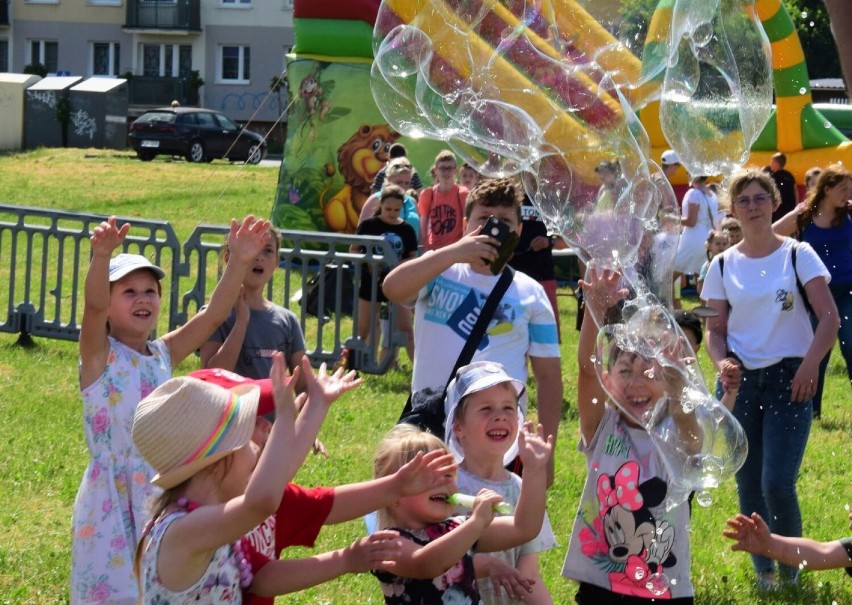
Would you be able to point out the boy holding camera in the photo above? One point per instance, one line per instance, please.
(448, 288)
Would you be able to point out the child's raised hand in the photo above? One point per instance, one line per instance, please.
(535, 448)
(247, 238)
(379, 550)
(106, 237)
(751, 534)
(328, 386)
(601, 290)
(284, 388)
(425, 472)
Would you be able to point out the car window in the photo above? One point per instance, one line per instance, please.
(226, 122)
(187, 119)
(157, 116)
(206, 119)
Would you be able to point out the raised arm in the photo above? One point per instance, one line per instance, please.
(751, 534)
(289, 575)
(245, 241)
(93, 344)
(507, 532)
(208, 527)
(406, 280)
(215, 354)
(788, 224)
(436, 557)
(423, 473)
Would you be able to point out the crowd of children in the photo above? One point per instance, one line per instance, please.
(187, 497)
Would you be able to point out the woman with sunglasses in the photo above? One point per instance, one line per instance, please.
(762, 338)
(824, 220)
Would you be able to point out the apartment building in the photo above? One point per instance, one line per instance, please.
(236, 47)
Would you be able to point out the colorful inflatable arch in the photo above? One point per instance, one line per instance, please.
(337, 140)
(806, 135)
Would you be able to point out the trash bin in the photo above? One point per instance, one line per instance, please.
(98, 114)
(12, 87)
(44, 103)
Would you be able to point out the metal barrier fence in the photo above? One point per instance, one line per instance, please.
(45, 255)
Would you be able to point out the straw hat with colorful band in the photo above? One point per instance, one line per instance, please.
(187, 424)
(224, 378)
(472, 378)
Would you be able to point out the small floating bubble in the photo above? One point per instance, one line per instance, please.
(704, 498)
(803, 90)
(657, 584)
(593, 358)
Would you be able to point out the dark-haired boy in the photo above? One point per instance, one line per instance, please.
(448, 288)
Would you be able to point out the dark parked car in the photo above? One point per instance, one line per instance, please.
(199, 135)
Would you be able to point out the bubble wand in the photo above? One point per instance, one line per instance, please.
(466, 501)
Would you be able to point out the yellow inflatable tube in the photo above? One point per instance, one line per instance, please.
(582, 148)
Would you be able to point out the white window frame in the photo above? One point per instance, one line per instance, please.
(41, 58)
(103, 2)
(113, 69)
(41, 1)
(237, 4)
(174, 68)
(220, 61)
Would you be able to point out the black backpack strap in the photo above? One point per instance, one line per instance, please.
(482, 321)
(476, 333)
(799, 284)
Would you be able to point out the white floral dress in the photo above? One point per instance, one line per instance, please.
(218, 585)
(112, 504)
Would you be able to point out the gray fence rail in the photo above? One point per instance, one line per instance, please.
(45, 254)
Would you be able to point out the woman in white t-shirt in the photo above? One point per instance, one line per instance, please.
(698, 216)
(762, 337)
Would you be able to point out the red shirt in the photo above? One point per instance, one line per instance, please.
(297, 522)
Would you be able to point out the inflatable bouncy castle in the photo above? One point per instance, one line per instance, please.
(574, 77)
(337, 140)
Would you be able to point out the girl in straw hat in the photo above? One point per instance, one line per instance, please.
(218, 486)
(119, 365)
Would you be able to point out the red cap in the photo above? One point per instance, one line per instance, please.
(228, 380)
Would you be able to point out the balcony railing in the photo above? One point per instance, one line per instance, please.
(160, 91)
(4, 13)
(184, 15)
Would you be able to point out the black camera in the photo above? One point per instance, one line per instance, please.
(508, 239)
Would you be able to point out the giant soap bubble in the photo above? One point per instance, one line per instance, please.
(550, 90)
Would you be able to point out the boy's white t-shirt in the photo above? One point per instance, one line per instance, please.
(767, 319)
(446, 310)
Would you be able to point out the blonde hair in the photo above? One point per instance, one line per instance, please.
(398, 166)
(398, 448)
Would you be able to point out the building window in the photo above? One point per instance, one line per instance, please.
(235, 63)
(104, 2)
(236, 3)
(4, 55)
(45, 52)
(106, 58)
(166, 60)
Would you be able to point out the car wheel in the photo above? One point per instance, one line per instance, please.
(196, 152)
(256, 154)
(145, 156)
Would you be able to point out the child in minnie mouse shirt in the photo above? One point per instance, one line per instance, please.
(625, 546)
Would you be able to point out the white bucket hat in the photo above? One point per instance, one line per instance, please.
(469, 379)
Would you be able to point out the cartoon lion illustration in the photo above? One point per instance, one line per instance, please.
(359, 159)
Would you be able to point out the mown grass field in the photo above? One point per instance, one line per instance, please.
(43, 453)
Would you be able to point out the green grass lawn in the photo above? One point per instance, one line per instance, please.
(43, 453)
